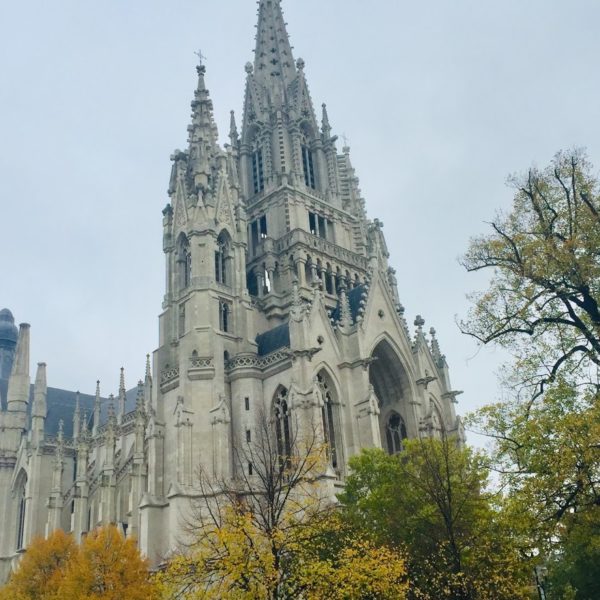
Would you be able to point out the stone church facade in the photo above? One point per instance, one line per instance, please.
(279, 300)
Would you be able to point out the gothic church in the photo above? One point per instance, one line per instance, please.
(279, 299)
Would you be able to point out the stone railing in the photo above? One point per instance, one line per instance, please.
(258, 362)
(299, 236)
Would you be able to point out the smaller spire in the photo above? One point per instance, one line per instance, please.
(18, 383)
(419, 323)
(96, 423)
(122, 395)
(148, 376)
(325, 126)
(436, 352)
(40, 390)
(60, 448)
(148, 386)
(233, 131)
(139, 400)
(76, 417)
(345, 312)
(112, 421)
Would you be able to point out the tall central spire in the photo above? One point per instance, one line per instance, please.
(273, 55)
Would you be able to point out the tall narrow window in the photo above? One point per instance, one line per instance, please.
(181, 319)
(308, 166)
(312, 223)
(282, 426)
(258, 178)
(21, 517)
(254, 236)
(328, 416)
(263, 227)
(184, 262)
(395, 433)
(221, 259)
(224, 316)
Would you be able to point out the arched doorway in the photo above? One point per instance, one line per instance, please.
(390, 382)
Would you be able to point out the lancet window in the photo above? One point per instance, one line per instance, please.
(395, 433)
(308, 163)
(224, 316)
(282, 424)
(222, 258)
(329, 416)
(184, 262)
(258, 176)
(21, 512)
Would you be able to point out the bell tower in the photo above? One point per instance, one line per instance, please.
(305, 216)
(279, 300)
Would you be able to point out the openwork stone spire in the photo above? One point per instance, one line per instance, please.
(273, 60)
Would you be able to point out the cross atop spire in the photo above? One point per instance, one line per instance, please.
(273, 59)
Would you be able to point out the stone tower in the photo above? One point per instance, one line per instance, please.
(279, 303)
(279, 298)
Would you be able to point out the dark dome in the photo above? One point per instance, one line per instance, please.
(9, 334)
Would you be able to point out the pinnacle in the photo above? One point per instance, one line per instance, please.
(273, 59)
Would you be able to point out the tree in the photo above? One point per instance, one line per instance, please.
(544, 261)
(41, 569)
(430, 501)
(107, 567)
(272, 533)
(542, 305)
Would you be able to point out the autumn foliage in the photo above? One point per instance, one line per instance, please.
(105, 567)
(42, 569)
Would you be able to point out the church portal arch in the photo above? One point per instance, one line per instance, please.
(391, 384)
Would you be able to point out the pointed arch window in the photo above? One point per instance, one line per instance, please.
(258, 175)
(222, 259)
(282, 426)
(329, 416)
(395, 433)
(184, 262)
(308, 164)
(21, 512)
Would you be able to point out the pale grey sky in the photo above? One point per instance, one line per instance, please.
(440, 101)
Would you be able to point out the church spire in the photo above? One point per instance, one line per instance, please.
(273, 59)
(202, 131)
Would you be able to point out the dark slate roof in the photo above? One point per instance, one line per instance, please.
(269, 341)
(355, 295)
(60, 404)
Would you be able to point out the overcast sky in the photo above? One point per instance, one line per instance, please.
(440, 101)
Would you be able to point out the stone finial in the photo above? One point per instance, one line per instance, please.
(111, 407)
(96, 422)
(148, 369)
(249, 68)
(419, 322)
(300, 64)
(345, 311)
(139, 400)
(76, 417)
(297, 303)
(122, 394)
(233, 131)
(325, 126)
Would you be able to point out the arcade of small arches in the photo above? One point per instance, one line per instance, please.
(266, 278)
(305, 159)
(330, 425)
(223, 261)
